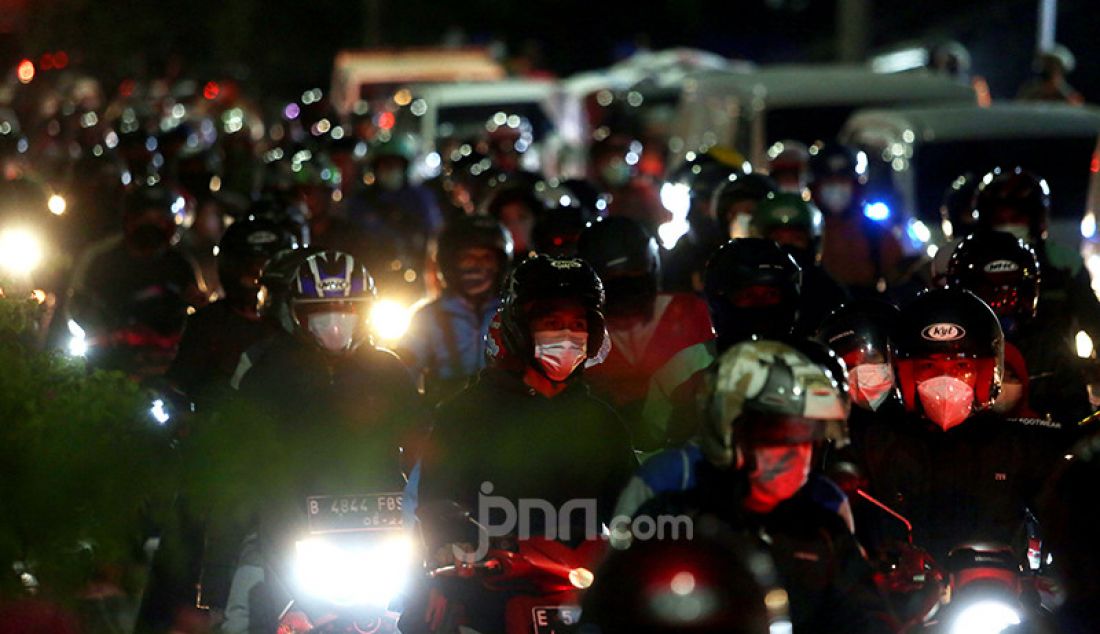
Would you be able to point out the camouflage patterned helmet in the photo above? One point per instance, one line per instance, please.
(769, 393)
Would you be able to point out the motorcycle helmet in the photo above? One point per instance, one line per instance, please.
(283, 210)
(787, 219)
(628, 261)
(469, 232)
(769, 393)
(330, 297)
(517, 207)
(789, 164)
(244, 250)
(949, 355)
(859, 332)
(537, 283)
(1003, 271)
(151, 216)
(838, 174)
(1013, 200)
(736, 200)
(752, 290)
(957, 215)
(558, 229)
(714, 582)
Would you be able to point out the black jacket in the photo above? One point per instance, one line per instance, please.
(499, 430)
(972, 482)
(829, 582)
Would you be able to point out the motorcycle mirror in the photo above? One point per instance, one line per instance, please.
(889, 511)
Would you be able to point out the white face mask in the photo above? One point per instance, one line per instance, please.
(391, 179)
(335, 331)
(1020, 232)
(836, 197)
(559, 352)
(947, 401)
(1010, 396)
(870, 384)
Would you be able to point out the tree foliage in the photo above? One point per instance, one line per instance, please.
(84, 468)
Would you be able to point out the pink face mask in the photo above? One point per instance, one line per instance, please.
(559, 352)
(870, 384)
(780, 473)
(947, 401)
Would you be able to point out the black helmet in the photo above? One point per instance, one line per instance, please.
(828, 360)
(329, 296)
(540, 279)
(282, 209)
(467, 232)
(714, 582)
(859, 332)
(151, 216)
(275, 282)
(586, 195)
(736, 193)
(244, 250)
(752, 289)
(949, 324)
(836, 160)
(627, 259)
(1000, 269)
(957, 209)
(1018, 190)
(558, 229)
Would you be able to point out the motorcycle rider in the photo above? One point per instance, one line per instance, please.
(725, 215)
(956, 221)
(957, 471)
(789, 165)
(445, 344)
(322, 389)
(131, 292)
(216, 335)
(768, 407)
(647, 327)
(793, 223)
(1018, 202)
(855, 251)
(1070, 523)
(398, 217)
(528, 428)
(1051, 68)
(613, 169)
(516, 206)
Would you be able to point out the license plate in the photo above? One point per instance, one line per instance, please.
(353, 513)
(555, 619)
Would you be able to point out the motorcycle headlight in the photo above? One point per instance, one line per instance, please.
(20, 251)
(78, 341)
(373, 574)
(389, 319)
(56, 204)
(985, 617)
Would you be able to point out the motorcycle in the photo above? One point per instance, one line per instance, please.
(348, 572)
(982, 588)
(540, 579)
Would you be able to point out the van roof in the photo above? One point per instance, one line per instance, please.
(504, 91)
(1001, 120)
(824, 84)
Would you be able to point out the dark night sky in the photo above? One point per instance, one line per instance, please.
(287, 45)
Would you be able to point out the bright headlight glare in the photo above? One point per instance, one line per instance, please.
(20, 251)
(56, 204)
(78, 342)
(985, 617)
(371, 575)
(389, 319)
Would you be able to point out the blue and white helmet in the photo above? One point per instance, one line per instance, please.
(330, 295)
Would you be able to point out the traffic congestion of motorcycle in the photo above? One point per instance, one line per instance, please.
(681, 345)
